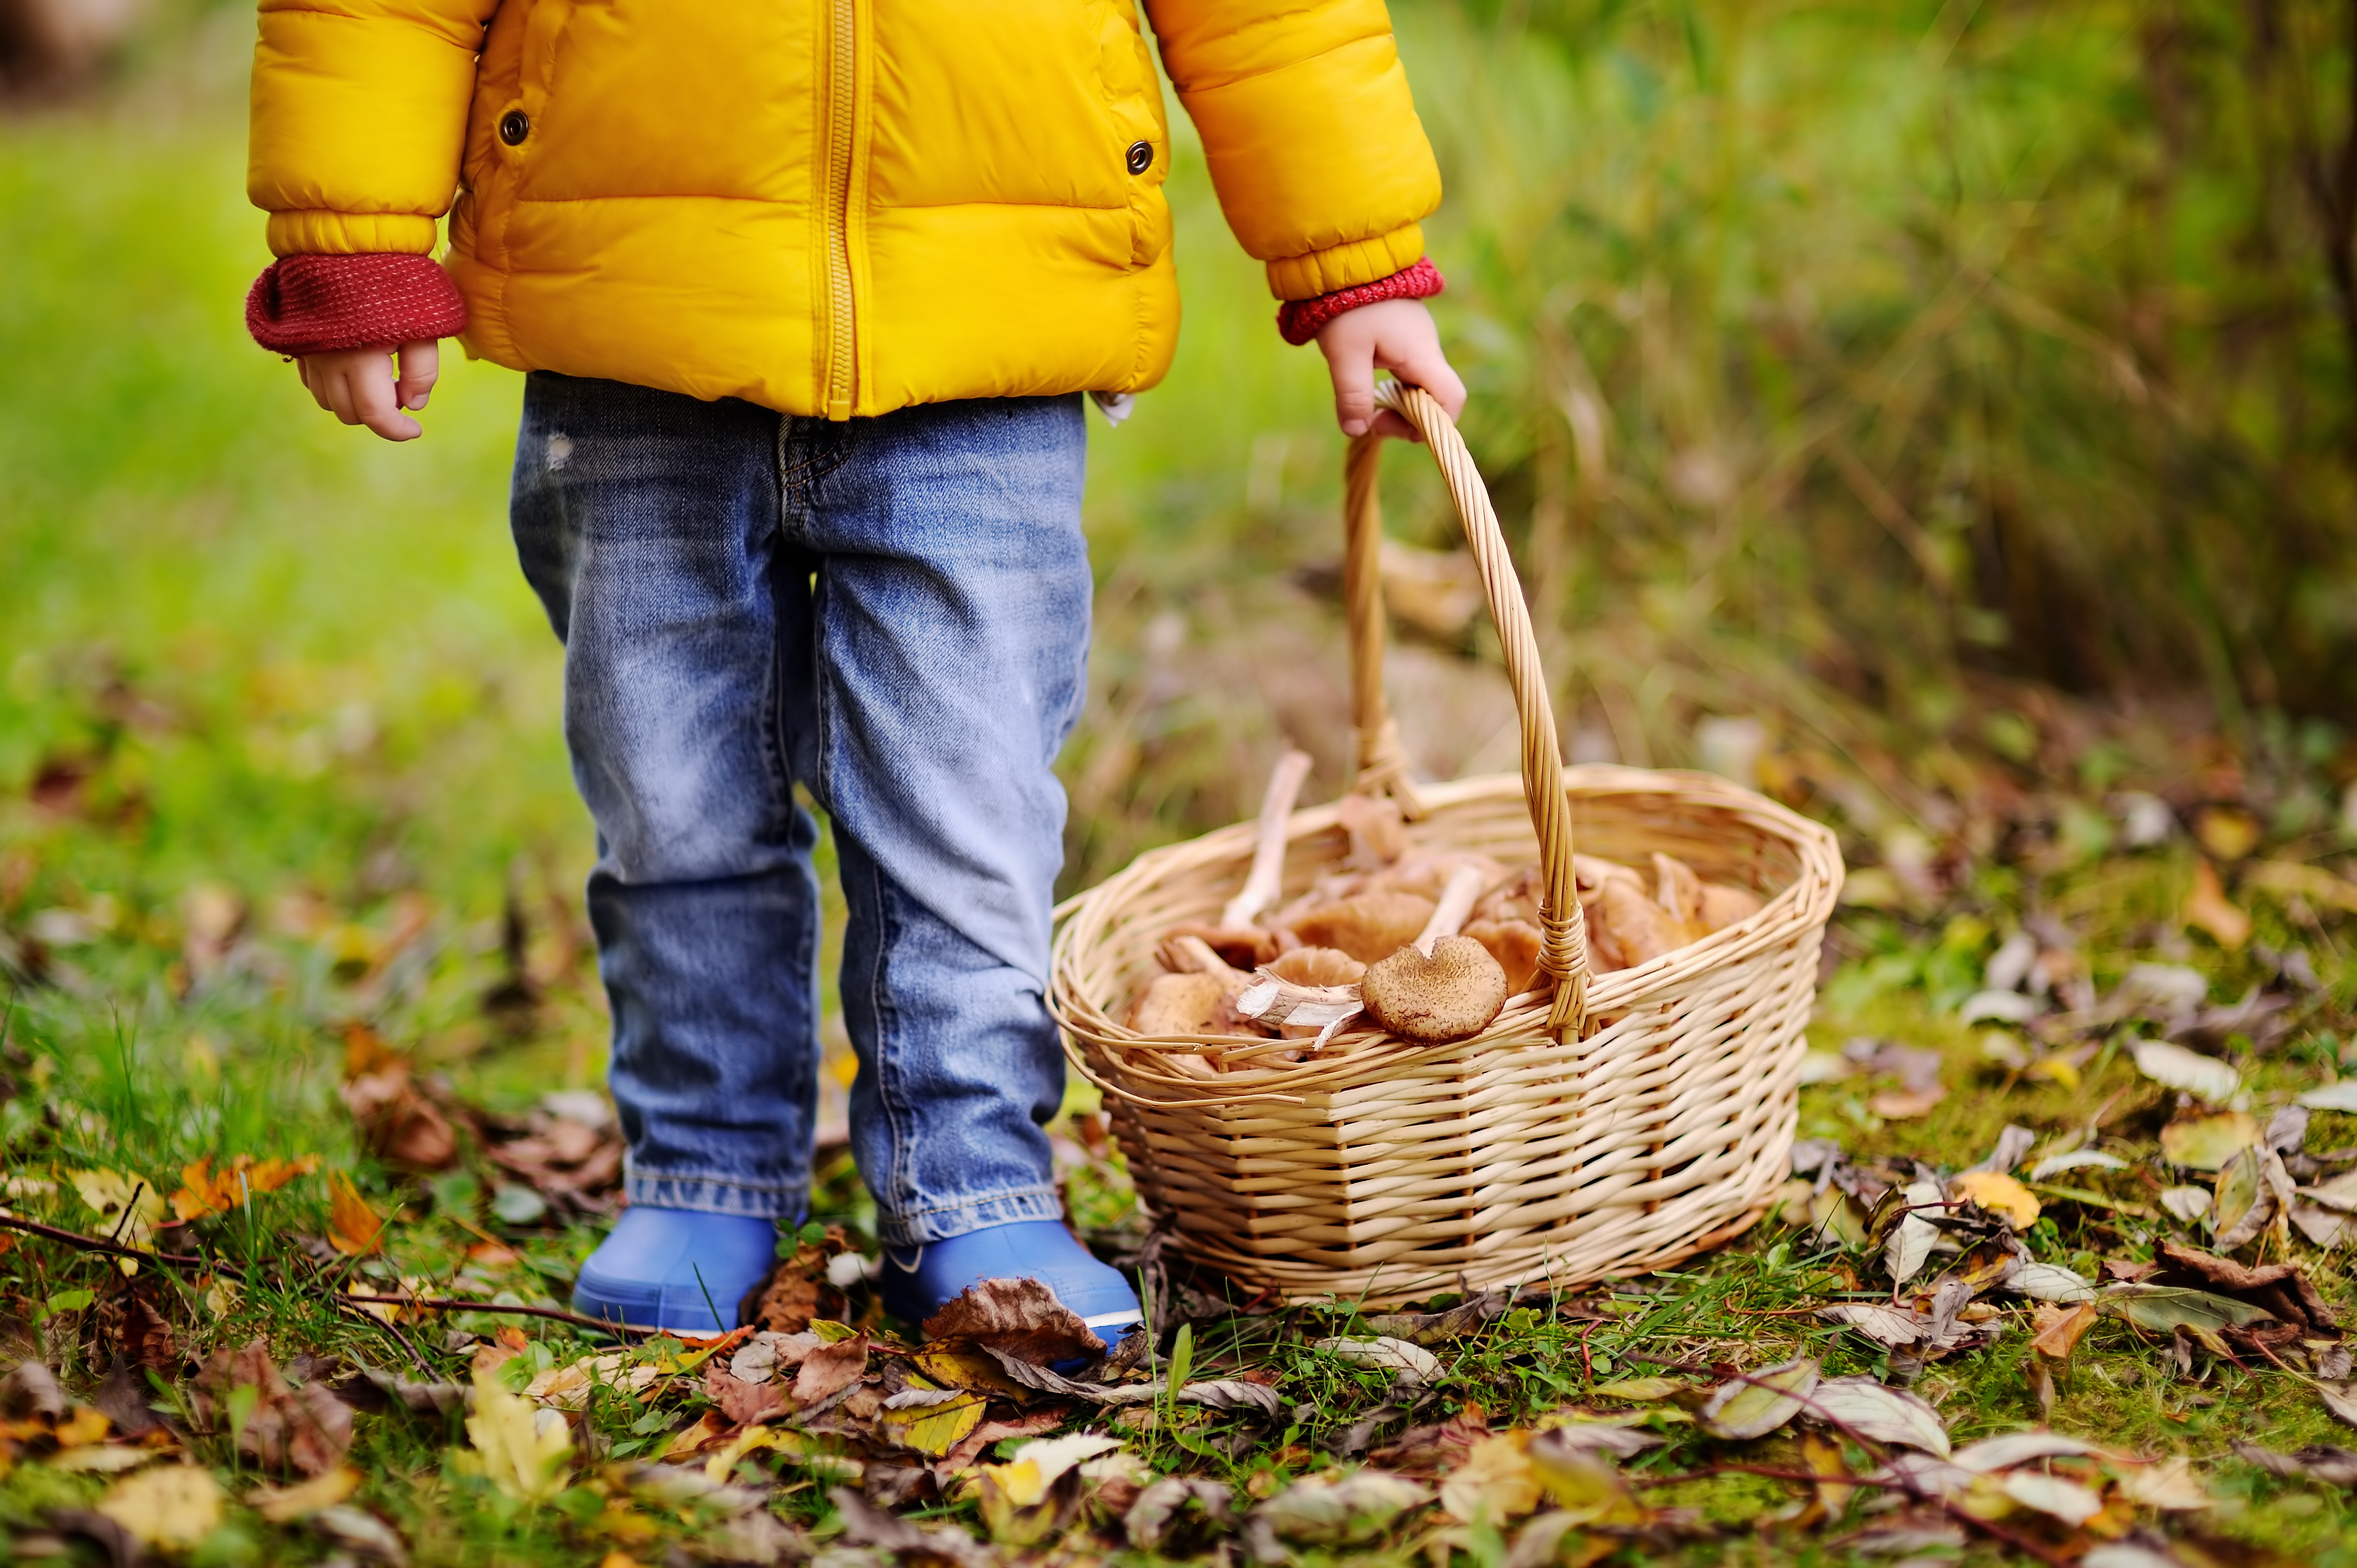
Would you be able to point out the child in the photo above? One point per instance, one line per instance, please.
(807, 292)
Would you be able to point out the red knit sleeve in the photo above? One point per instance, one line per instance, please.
(1299, 320)
(316, 305)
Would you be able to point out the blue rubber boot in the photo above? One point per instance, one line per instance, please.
(676, 1268)
(917, 1282)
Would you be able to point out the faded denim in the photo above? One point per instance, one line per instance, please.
(893, 612)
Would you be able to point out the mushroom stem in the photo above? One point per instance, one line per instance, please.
(1195, 956)
(1455, 903)
(1268, 855)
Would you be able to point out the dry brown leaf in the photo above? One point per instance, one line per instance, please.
(2207, 909)
(745, 1404)
(307, 1430)
(2056, 1330)
(797, 1292)
(1021, 1318)
(829, 1369)
(285, 1505)
(397, 1121)
(353, 1228)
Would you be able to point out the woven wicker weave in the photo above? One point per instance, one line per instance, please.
(1601, 1126)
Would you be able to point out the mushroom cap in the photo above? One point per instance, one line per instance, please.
(1185, 1004)
(1515, 945)
(1626, 927)
(1451, 996)
(1318, 966)
(1723, 906)
(1367, 926)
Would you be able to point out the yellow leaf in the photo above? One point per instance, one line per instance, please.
(353, 1228)
(2000, 1194)
(221, 1297)
(1495, 1481)
(707, 1430)
(171, 1506)
(128, 1209)
(2206, 1143)
(84, 1425)
(283, 1505)
(523, 1452)
(724, 1460)
(933, 1429)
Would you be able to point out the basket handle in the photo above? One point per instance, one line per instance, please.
(1382, 765)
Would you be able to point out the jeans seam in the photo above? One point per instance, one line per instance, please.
(888, 1100)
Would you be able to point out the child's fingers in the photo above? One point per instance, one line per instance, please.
(1352, 366)
(376, 404)
(421, 367)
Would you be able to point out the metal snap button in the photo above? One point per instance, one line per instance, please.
(514, 127)
(1141, 157)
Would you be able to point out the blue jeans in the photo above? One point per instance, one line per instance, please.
(893, 612)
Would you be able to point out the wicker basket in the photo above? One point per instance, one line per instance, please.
(1600, 1126)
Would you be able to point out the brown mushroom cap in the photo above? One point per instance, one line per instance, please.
(1723, 906)
(1318, 966)
(1626, 927)
(1186, 1004)
(1450, 996)
(1367, 926)
(1514, 944)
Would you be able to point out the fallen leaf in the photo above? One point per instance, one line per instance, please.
(2241, 1203)
(1879, 1413)
(2056, 1331)
(524, 1452)
(307, 1429)
(1884, 1324)
(2163, 1308)
(1162, 1510)
(1496, 1481)
(2339, 1401)
(2076, 1160)
(397, 1121)
(171, 1506)
(283, 1505)
(2173, 1067)
(2169, 1485)
(204, 1190)
(2186, 1203)
(128, 1208)
(831, 1369)
(2207, 909)
(2318, 1462)
(1912, 1240)
(2339, 1095)
(2050, 1281)
(1742, 1409)
(1998, 1193)
(1036, 1465)
(2072, 1503)
(1343, 1512)
(353, 1228)
(934, 1429)
(1583, 1486)
(1642, 1390)
(1994, 1453)
(2206, 1143)
(1397, 1354)
(356, 1529)
(1906, 1104)
(1021, 1317)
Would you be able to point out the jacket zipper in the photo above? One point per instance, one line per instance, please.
(842, 93)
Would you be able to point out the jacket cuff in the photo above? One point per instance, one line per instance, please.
(317, 305)
(1345, 265)
(1299, 320)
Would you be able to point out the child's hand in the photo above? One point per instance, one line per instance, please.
(359, 386)
(1394, 335)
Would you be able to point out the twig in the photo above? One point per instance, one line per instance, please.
(399, 1338)
(98, 1243)
(444, 1304)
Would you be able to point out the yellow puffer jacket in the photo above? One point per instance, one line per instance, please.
(838, 206)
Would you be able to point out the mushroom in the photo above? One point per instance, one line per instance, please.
(1677, 890)
(1184, 1004)
(1450, 994)
(1515, 945)
(1723, 906)
(1626, 927)
(1378, 832)
(1318, 966)
(1267, 872)
(1427, 873)
(1367, 926)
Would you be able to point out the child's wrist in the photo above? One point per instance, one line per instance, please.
(1298, 320)
(319, 304)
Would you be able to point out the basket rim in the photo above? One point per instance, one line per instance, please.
(1803, 903)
